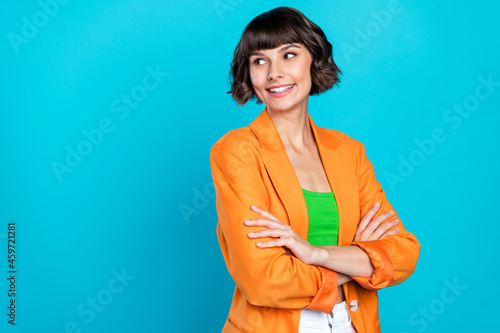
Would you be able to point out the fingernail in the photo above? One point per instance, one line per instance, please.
(250, 234)
(391, 212)
(377, 204)
(248, 222)
(259, 243)
(253, 207)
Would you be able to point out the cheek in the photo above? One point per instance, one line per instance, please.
(306, 73)
(256, 79)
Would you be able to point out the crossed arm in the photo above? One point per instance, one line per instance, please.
(347, 261)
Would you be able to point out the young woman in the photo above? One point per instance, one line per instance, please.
(305, 228)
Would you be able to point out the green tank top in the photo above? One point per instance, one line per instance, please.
(323, 218)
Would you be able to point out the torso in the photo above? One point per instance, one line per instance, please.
(311, 175)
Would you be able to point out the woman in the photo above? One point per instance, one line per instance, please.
(300, 224)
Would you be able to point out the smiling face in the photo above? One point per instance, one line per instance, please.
(281, 77)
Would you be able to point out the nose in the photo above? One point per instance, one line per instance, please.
(275, 72)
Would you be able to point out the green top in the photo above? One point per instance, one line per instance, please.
(323, 218)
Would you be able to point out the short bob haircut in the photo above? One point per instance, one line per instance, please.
(279, 26)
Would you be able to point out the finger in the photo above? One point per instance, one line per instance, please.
(375, 223)
(390, 232)
(273, 243)
(266, 223)
(383, 228)
(263, 212)
(368, 216)
(276, 233)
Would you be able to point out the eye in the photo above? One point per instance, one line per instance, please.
(290, 55)
(259, 61)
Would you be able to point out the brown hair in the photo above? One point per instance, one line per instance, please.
(282, 25)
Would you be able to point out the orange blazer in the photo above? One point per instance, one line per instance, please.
(250, 167)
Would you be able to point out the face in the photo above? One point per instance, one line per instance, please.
(281, 77)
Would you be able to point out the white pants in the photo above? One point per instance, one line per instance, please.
(339, 321)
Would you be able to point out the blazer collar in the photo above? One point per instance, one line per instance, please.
(285, 180)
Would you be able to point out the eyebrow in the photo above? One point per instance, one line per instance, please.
(283, 49)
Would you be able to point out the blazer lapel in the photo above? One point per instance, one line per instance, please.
(285, 180)
(340, 175)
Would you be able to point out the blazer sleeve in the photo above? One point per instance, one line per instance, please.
(267, 277)
(394, 257)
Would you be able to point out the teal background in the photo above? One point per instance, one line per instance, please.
(119, 210)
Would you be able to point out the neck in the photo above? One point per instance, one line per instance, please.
(293, 127)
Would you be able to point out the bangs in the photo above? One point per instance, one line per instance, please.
(268, 32)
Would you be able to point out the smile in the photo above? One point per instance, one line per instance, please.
(280, 89)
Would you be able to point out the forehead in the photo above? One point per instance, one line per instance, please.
(278, 49)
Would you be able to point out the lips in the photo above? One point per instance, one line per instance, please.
(280, 89)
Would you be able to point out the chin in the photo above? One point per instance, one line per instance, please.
(283, 106)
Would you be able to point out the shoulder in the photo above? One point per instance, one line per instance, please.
(239, 141)
(236, 136)
(339, 140)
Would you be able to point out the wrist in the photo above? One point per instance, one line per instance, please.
(321, 256)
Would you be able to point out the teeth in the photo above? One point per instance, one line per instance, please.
(280, 89)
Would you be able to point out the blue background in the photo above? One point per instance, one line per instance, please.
(120, 209)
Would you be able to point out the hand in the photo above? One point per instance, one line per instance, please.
(372, 228)
(284, 234)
